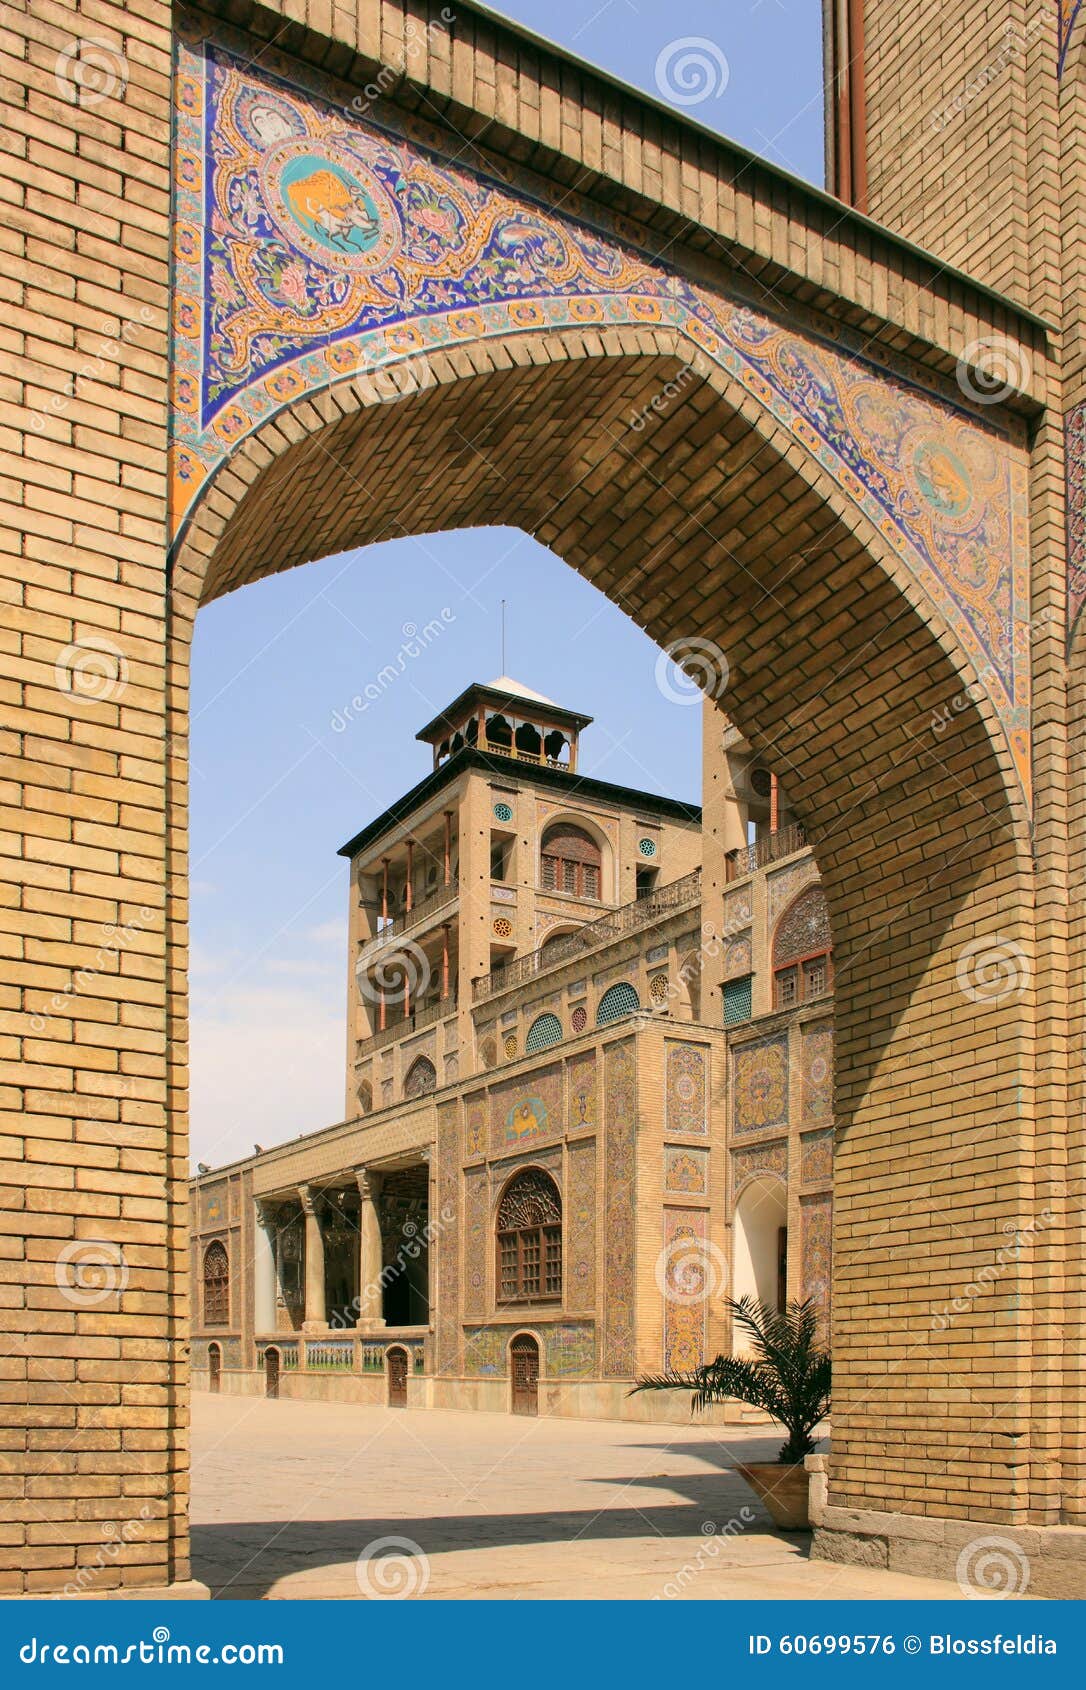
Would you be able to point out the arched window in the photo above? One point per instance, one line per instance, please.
(530, 1239)
(570, 861)
(802, 965)
(216, 1285)
(616, 1002)
(545, 1030)
(420, 1078)
(488, 1053)
(365, 1097)
(528, 741)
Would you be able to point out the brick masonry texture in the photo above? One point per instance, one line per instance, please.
(720, 522)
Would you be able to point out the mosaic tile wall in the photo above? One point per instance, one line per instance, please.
(311, 244)
(816, 1156)
(580, 1226)
(816, 1071)
(685, 1288)
(476, 1239)
(759, 1087)
(582, 1090)
(447, 1243)
(686, 1089)
(620, 1200)
(759, 1159)
(816, 1228)
(686, 1172)
(526, 1109)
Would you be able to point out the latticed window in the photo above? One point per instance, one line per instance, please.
(616, 1002)
(545, 1030)
(802, 964)
(530, 1240)
(570, 862)
(738, 1000)
(421, 1078)
(216, 1285)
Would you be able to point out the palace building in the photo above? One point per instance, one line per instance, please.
(588, 1091)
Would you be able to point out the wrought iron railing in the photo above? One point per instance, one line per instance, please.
(769, 849)
(398, 925)
(628, 919)
(407, 1024)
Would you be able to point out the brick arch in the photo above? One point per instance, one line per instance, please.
(842, 673)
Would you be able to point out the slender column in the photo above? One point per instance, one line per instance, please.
(774, 804)
(264, 1269)
(384, 890)
(448, 846)
(445, 961)
(410, 875)
(370, 1264)
(316, 1317)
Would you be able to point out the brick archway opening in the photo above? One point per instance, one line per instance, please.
(708, 522)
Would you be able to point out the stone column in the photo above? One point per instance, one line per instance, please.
(370, 1263)
(315, 1314)
(264, 1269)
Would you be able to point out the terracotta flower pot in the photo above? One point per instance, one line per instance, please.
(783, 1487)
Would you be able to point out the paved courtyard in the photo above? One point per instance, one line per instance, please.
(287, 1496)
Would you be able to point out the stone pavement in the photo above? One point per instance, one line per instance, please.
(286, 1496)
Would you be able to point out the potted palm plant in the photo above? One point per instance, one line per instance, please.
(787, 1375)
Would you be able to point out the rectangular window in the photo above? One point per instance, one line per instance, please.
(814, 977)
(737, 1000)
(787, 988)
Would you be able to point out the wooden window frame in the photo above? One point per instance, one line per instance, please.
(799, 964)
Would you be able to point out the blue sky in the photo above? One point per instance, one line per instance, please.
(280, 780)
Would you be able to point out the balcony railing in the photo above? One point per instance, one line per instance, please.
(407, 1024)
(400, 924)
(641, 913)
(769, 849)
(539, 758)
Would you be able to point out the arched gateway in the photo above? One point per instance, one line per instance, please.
(754, 443)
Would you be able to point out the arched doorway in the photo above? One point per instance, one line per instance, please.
(214, 1367)
(396, 1360)
(272, 1362)
(524, 1373)
(759, 1267)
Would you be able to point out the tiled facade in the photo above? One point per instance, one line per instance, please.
(632, 1115)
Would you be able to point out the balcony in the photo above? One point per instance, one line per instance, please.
(408, 1024)
(643, 912)
(418, 915)
(769, 849)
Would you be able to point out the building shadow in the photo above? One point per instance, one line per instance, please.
(246, 1559)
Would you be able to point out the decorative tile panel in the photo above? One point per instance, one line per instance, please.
(620, 1208)
(527, 1109)
(446, 1243)
(311, 243)
(816, 1231)
(475, 1125)
(580, 1226)
(760, 1085)
(686, 1089)
(816, 1071)
(758, 1159)
(816, 1156)
(569, 1349)
(685, 1262)
(686, 1171)
(582, 1091)
(476, 1240)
